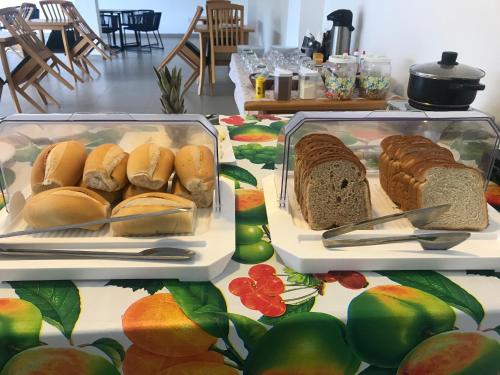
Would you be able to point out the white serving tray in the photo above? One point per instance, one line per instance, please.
(301, 248)
(213, 242)
(226, 148)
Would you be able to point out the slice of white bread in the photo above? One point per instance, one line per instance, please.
(330, 182)
(416, 173)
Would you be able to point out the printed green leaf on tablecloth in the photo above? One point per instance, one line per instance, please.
(58, 301)
(202, 302)
(440, 286)
(249, 331)
(150, 286)
(238, 174)
(112, 348)
(257, 154)
(301, 279)
(294, 309)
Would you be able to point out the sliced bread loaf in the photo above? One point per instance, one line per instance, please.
(330, 182)
(417, 173)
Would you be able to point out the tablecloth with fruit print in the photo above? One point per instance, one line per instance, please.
(258, 317)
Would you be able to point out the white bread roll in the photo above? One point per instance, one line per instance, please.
(194, 166)
(65, 205)
(183, 222)
(179, 189)
(150, 166)
(111, 196)
(58, 165)
(202, 198)
(132, 190)
(106, 168)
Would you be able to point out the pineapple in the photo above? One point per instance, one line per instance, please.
(172, 98)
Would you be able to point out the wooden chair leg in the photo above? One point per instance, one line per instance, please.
(89, 63)
(190, 81)
(201, 81)
(40, 94)
(46, 94)
(82, 68)
(67, 69)
(211, 80)
(30, 100)
(212, 67)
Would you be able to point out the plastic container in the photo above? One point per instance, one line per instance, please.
(471, 137)
(340, 77)
(282, 84)
(310, 83)
(375, 77)
(22, 137)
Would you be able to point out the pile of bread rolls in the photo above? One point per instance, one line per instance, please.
(71, 187)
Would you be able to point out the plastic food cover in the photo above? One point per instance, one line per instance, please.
(470, 135)
(23, 136)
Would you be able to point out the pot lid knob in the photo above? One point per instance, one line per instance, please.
(448, 58)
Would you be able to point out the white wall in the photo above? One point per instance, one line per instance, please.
(270, 20)
(176, 14)
(417, 32)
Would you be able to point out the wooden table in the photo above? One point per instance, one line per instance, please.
(323, 104)
(246, 102)
(55, 25)
(7, 40)
(204, 35)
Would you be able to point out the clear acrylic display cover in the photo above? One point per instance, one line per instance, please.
(22, 137)
(471, 136)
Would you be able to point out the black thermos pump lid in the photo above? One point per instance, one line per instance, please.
(341, 17)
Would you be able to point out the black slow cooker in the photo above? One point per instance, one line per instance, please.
(445, 85)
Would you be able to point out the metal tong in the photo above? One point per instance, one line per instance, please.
(418, 217)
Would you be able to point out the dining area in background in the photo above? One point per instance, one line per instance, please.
(220, 32)
(69, 34)
(136, 21)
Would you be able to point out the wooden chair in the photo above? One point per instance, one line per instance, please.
(188, 52)
(225, 24)
(85, 30)
(27, 10)
(52, 10)
(37, 63)
(79, 47)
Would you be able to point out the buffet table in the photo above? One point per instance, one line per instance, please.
(236, 323)
(244, 96)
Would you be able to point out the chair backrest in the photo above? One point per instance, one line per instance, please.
(79, 22)
(27, 10)
(156, 20)
(17, 26)
(185, 38)
(52, 9)
(110, 21)
(225, 23)
(129, 17)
